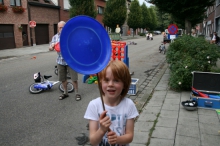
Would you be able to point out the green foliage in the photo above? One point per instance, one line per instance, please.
(153, 22)
(135, 16)
(191, 11)
(115, 13)
(82, 7)
(188, 54)
(146, 17)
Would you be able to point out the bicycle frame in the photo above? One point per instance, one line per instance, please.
(45, 84)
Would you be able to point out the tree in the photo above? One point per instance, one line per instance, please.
(191, 12)
(115, 13)
(153, 21)
(146, 17)
(135, 17)
(82, 7)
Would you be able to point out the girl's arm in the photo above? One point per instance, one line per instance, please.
(129, 133)
(97, 132)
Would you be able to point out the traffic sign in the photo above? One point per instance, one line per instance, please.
(32, 24)
(172, 29)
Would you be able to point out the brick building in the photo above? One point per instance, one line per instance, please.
(15, 31)
(212, 21)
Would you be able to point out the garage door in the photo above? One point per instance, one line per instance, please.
(42, 34)
(7, 40)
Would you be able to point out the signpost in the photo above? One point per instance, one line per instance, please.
(172, 29)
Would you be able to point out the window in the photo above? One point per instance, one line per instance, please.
(100, 10)
(15, 2)
(47, 1)
(66, 4)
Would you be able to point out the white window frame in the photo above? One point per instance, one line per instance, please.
(66, 5)
(100, 10)
(15, 2)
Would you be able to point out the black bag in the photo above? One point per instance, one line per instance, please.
(151, 38)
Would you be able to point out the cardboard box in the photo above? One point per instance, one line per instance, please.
(133, 87)
(207, 83)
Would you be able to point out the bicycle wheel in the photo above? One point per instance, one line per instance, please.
(164, 50)
(70, 87)
(56, 71)
(34, 90)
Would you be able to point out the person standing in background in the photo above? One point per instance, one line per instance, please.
(62, 66)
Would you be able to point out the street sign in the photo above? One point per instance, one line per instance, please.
(172, 29)
(32, 24)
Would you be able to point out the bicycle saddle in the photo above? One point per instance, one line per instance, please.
(47, 77)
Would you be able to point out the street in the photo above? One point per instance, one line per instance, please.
(41, 119)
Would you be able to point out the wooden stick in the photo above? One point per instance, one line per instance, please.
(103, 105)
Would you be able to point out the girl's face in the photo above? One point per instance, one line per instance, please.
(111, 87)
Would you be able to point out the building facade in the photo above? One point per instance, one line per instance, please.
(211, 23)
(16, 15)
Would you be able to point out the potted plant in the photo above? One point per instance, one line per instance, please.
(20, 28)
(18, 9)
(3, 8)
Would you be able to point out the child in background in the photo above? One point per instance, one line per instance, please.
(120, 111)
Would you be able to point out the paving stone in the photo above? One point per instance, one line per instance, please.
(209, 129)
(156, 93)
(188, 114)
(192, 131)
(158, 97)
(164, 132)
(166, 122)
(206, 119)
(172, 101)
(210, 140)
(140, 137)
(147, 117)
(155, 103)
(186, 141)
(151, 110)
(188, 121)
(170, 107)
(143, 126)
(208, 112)
(169, 114)
(161, 142)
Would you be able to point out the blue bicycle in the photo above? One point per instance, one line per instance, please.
(41, 85)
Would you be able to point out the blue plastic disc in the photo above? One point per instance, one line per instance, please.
(85, 45)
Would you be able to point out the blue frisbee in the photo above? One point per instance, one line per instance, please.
(85, 45)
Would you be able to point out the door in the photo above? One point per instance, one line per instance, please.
(24, 35)
(42, 34)
(7, 40)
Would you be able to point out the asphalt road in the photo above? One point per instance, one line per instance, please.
(41, 119)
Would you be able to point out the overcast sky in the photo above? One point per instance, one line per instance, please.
(147, 4)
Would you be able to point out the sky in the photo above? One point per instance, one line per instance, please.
(147, 4)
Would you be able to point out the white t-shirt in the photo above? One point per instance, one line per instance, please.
(119, 115)
(213, 38)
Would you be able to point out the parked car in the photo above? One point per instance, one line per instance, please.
(157, 32)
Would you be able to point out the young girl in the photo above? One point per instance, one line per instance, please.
(115, 125)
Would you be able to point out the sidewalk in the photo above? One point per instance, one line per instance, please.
(164, 122)
(10, 53)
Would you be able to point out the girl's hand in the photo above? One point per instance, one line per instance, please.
(104, 121)
(112, 137)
